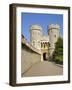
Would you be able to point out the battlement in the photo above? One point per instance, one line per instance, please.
(35, 27)
(53, 26)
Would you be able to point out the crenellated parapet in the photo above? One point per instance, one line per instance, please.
(53, 26)
(36, 27)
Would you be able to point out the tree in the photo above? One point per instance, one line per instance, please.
(58, 53)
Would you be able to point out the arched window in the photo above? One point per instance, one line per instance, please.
(44, 45)
(48, 44)
(41, 45)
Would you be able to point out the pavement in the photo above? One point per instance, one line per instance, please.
(45, 68)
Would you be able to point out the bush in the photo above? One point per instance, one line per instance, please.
(58, 53)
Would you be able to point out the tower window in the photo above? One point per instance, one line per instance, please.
(54, 35)
(33, 43)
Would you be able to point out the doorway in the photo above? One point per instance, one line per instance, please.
(44, 56)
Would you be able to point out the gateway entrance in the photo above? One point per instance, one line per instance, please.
(45, 56)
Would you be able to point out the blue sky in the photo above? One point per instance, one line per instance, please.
(28, 19)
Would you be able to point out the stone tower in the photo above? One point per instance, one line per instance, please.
(35, 36)
(54, 30)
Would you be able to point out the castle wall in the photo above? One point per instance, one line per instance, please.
(28, 58)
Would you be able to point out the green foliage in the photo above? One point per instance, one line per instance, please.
(58, 53)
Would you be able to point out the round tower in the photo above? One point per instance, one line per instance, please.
(35, 36)
(54, 30)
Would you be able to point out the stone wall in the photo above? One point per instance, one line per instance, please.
(28, 58)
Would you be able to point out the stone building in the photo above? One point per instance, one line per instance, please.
(45, 44)
(40, 47)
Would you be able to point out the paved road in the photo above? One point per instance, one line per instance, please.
(44, 68)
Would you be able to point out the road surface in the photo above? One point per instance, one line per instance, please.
(44, 68)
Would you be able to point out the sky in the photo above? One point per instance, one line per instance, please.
(28, 19)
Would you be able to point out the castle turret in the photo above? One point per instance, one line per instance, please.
(35, 36)
(54, 30)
